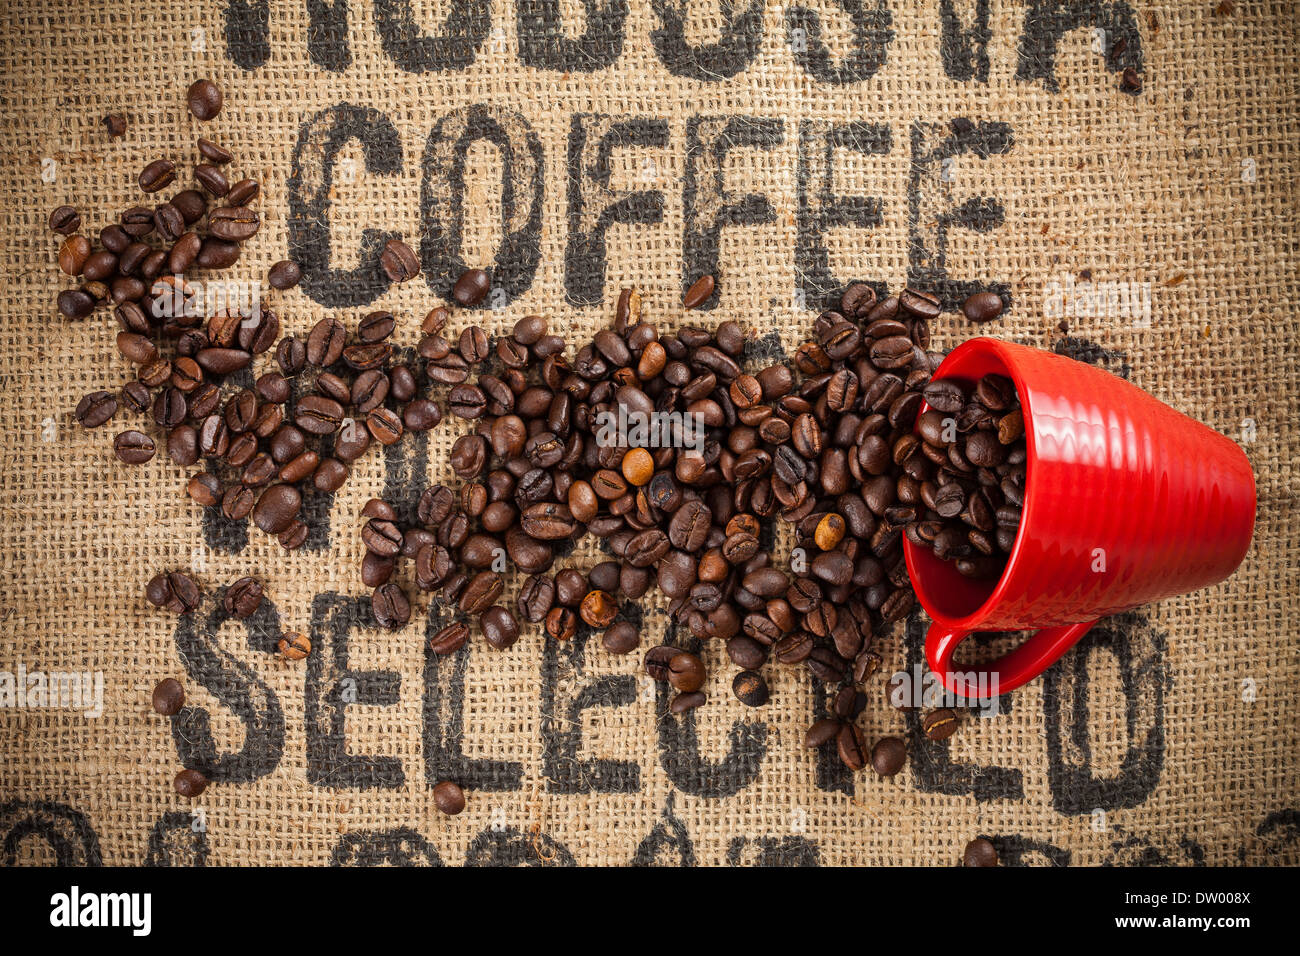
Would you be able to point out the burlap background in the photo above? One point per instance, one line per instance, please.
(1172, 739)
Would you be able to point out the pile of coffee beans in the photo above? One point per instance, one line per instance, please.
(975, 439)
(263, 446)
(711, 457)
(825, 446)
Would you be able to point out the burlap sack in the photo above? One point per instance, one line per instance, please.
(785, 149)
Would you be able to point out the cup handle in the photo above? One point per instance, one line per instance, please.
(1015, 668)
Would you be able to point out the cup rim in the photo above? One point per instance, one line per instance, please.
(977, 618)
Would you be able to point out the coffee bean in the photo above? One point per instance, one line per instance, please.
(318, 415)
(285, 274)
(500, 629)
(216, 253)
(213, 152)
(699, 292)
(750, 688)
(157, 175)
(598, 609)
(190, 783)
(471, 287)
(561, 624)
(939, 724)
(73, 254)
(96, 409)
(64, 220)
(75, 304)
(850, 746)
(449, 639)
(277, 507)
(168, 697)
(243, 598)
(686, 672)
(888, 756)
(657, 661)
(621, 638)
(243, 192)
(982, 307)
(204, 99)
(482, 591)
(390, 606)
(293, 646)
(399, 262)
(234, 223)
(133, 447)
(686, 702)
(213, 180)
(979, 852)
(448, 797)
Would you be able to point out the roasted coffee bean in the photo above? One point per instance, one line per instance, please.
(822, 732)
(204, 99)
(598, 609)
(686, 672)
(243, 192)
(157, 175)
(500, 629)
(750, 688)
(217, 253)
(133, 447)
(212, 179)
(384, 425)
(294, 646)
(399, 262)
(75, 304)
(234, 223)
(699, 292)
(96, 409)
(561, 624)
(482, 591)
(168, 697)
(318, 415)
(448, 797)
(449, 639)
(73, 254)
(205, 488)
(979, 852)
(471, 287)
(284, 274)
(277, 507)
(888, 756)
(850, 746)
(190, 204)
(390, 606)
(64, 220)
(189, 783)
(746, 652)
(687, 702)
(382, 537)
(221, 361)
(939, 724)
(657, 661)
(243, 598)
(982, 307)
(621, 638)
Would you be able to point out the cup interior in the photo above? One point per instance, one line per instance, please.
(946, 594)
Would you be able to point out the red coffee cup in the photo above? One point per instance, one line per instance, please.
(1126, 502)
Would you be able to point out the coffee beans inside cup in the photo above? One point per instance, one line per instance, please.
(974, 434)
